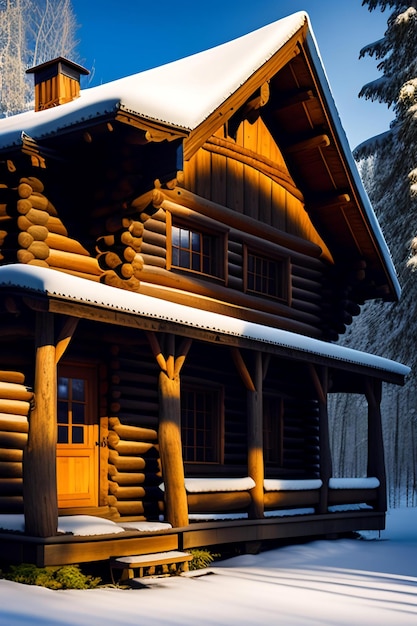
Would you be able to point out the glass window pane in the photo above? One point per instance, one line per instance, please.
(63, 386)
(63, 412)
(62, 434)
(78, 389)
(77, 434)
(78, 413)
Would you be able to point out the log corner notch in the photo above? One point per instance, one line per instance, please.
(169, 432)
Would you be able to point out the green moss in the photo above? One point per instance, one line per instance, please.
(201, 558)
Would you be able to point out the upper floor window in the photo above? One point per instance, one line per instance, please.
(197, 250)
(266, 276)
(201, 423)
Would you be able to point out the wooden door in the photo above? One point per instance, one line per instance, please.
(78, 436)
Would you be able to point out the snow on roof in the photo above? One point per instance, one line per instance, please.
(56, 284)
(182, 93)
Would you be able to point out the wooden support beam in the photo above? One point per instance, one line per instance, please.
(39, 465)
(242, 369)
(312, 143)
(65, 337)
(255, 441)
(156, 350)
(376, 458)
(170, 450)
(298, 97)
(321, 383)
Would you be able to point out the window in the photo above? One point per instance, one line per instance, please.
(75, 404)
(197, 250)
(201, 423)
(273, 425)
(266, 276)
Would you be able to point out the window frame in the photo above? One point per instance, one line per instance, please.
(201, 226)
(201, 385)
(283, 273)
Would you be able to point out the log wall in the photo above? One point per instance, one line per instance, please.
(134, 468)
(15, 403)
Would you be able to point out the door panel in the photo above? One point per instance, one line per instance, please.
(78, 434)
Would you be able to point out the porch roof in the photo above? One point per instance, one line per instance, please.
(64, 288)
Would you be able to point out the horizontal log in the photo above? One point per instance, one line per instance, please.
(33, 217)
(127, 507)
(91, 277)
(217, 502)
(14, 391)
(72, 261)
(282, 499)
(148, 249)
(351, 496)
(11, 504)
(126, 478)
(24, 190)
(153, 260)
(138, 406)
(12, 469)
(39, 249)
(123, 493)
(35, 184)
(134, 433)
(39, 201)
(55, 225)
(136, 393)
(11, 486)
(15, 407)
(19, 424)
(24, 239)
(124, 463)
(128, 447)
(12, 377)
(155, 239)
(147, 421)
(13, 440)
(60, 242)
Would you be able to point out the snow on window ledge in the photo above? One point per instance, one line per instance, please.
(272, 484)
(354, 483)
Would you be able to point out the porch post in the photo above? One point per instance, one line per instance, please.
(39, 464)
(169, 431)
(321, 385)
(376, 457)
(170, 450)
(255, 441)
(254, 387)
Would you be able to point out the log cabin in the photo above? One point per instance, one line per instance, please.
(180, 251)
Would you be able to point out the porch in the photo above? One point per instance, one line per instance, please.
(119, 540)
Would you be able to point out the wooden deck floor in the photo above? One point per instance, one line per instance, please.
(67, 549)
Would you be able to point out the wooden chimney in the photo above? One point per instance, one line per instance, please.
(56, 82)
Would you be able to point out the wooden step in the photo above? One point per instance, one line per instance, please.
(146, 564)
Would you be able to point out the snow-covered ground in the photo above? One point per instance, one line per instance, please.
(369, 582)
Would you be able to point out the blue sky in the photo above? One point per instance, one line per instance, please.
(121, 38)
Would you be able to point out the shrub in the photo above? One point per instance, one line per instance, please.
(65, 577)
(201, 558)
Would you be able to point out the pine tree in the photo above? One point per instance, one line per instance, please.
(31, 32)
(385, 163)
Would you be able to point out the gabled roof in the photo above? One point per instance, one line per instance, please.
(192, 97)
(181, 94)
